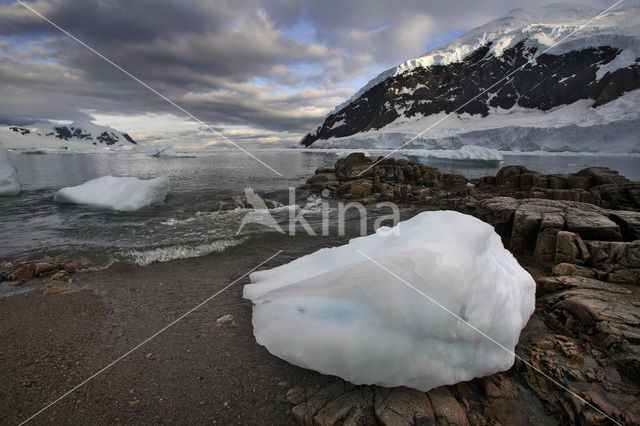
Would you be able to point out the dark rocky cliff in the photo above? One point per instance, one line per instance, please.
(549, 81)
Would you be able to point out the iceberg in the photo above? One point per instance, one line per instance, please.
(161, 151)
(465, 153)
(9, 184)
(433, 301)
(117, 193)
(164, 151)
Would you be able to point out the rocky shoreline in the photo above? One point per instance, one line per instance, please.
(578, 235)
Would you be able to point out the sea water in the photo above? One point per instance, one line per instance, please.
(191, 222)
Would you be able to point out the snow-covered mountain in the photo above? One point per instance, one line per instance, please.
(78, 135)
(579, 95)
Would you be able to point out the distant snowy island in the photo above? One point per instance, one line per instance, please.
(80, 136)
(583, 95)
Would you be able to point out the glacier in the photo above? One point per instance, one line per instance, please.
(117, 193)
(338, 312)
(576, 127)
(465, 153)
(9, 184)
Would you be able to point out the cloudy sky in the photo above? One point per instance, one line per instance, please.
(257, 70)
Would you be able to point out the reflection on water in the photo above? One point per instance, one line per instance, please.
(189, 223)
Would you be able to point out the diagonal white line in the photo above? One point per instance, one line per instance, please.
(487, 336)
(151, 89)
(147, 340)
(520, 68)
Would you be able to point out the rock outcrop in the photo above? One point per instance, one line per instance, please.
(565, 236)
(55, 270)
(594, 185)
(577, 363)
(577, 360)
(360, 178)
(565, 223)
(357, 177)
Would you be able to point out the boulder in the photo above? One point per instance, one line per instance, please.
(592, 224)
(60, 275)
(305, 412)
(446, 408)
(509, 176)
(322, 178)
(24, 272)
(403, 406)
(43, 267)
(621, 260)
(629, 223)
(356, 189)
(599, 175)
(570, 269)
(353, 407)
(605, 254)
(545, 250)
(499, 212)
(570, 248)
(351, 166)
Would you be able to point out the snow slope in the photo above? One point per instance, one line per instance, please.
(117, 193)
(337, 312)
(404, 101)
(575, 127)
(540, 27)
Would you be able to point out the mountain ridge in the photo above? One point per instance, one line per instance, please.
(602, 64)
(78, 134)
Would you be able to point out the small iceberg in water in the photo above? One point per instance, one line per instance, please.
(117, 193)
(9, 184)
(168, 151)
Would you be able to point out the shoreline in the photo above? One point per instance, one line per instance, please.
(209, 368)
(196, 371)
(204, 371)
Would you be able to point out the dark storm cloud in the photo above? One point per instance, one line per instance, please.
(104, 21)
(273, 64)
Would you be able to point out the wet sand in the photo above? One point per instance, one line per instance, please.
(197, 371)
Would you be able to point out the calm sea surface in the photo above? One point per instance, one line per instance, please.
(190, 222)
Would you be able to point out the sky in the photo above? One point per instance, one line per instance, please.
(259, 71)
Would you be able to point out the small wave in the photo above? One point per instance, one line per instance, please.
(166, 254)
(95, 268)
(173, 221)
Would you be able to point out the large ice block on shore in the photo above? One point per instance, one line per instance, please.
(340, 313)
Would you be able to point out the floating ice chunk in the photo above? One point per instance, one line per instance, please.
(162, 151)
(117, 193)
(34, 151)
(466, 153)
(9, 184)
(339, 313)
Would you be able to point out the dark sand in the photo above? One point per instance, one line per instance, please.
(195, 372)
